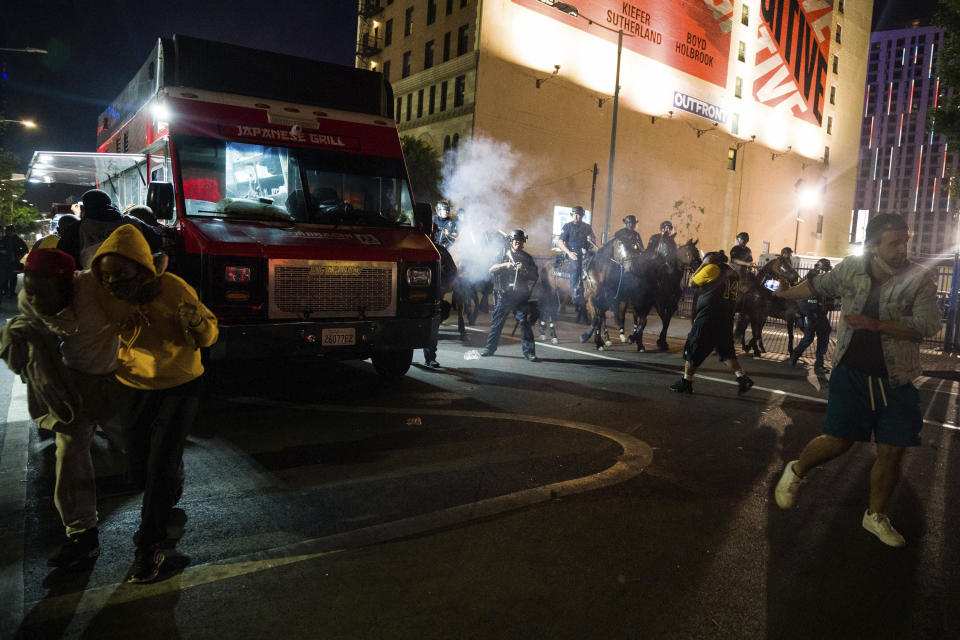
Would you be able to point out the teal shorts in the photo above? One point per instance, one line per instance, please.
(865, 408)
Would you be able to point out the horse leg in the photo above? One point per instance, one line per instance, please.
(665, 317)
(740, 330)
(622, 319)
(790, 319)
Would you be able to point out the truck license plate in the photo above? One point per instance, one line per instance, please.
(338, 337)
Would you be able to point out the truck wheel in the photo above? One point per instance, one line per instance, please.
(392, 364)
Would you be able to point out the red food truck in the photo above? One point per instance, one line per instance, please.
(282, 188)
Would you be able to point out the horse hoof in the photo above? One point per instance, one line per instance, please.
(554, 341)
(600, 347)
(663, 345)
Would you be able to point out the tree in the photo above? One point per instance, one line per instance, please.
(946, 117)
(13, 210)
(423, 165)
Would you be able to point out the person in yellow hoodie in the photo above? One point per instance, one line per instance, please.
(161, 370)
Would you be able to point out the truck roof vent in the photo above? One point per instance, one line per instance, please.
(187, 94)
(291, 109)
(322, 114)
(261, 105)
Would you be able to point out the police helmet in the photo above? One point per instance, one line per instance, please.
(443, 206)
(517, 234)
(823, 265)
(666, 223)
(576, 211)
(630, 220)
(744, 235)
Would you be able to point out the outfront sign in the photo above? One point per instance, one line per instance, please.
(692, 36)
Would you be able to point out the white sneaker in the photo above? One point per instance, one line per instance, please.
(788, 486)
(879, 525)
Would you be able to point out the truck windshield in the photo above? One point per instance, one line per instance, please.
(222, 178)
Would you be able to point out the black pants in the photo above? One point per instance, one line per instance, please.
(815, 323)
(156, 426)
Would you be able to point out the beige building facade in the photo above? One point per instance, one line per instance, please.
(731, 116)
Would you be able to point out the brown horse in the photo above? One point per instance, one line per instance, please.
(756, 303)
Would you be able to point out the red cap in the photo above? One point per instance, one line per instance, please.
(53, 262)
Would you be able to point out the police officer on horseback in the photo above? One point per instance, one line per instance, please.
(664, 244)
(628, 235)
(816, 323)
(577, 240)
(514, 278)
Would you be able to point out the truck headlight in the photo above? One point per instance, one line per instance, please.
(419, 276)
(237, 275)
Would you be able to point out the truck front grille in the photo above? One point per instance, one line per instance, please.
(332, 289)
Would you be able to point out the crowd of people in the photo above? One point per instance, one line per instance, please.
(105, 335)
(116, 342)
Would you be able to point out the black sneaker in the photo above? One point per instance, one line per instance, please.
(484, 353)
(682, 386)
(146, 564)
(821, 370)
(744, 383)
(433, 364)
(79, 549)
(531, 357)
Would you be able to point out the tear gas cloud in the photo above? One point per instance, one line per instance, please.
(483, 184)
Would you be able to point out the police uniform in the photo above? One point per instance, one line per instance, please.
(576, 237)
(514, 287)
(816, 323)
(446, 231)
(630, 238)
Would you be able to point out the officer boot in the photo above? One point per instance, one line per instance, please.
(543, 330)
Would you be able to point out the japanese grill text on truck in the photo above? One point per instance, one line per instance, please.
(281, 183)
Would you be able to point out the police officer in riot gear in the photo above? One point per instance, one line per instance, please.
(577, 240)
(741, 257)
(628, 235)
(816, 323)
(664, 244)
(514, 278)
(445, 233)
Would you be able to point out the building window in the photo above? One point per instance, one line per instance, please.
(826, 155)
(433, 99)
(409, 106)
(732, 158)
(837, 37)
(735, 124)
(406, 65)
(829, 125)
(443, 96)
(449, 7)
(459, 88)
(462, 39)
(839, 6)
(836, 64)
(431, 11)
(420, 103)
(386, 70)
(833, 94)
(745, 16)
(738, 88)
(388, 33)
(446, 46)
(742, 51)
(428, 55)
(764, 247)
(463, 3)
(408, 22)
(446, 139)
(399, 109)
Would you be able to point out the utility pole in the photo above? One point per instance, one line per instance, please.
(613, 137)
(593, 188)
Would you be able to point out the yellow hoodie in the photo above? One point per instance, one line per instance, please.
(155, 353)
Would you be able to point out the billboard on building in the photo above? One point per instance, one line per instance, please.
(692, 36)
(791, 62)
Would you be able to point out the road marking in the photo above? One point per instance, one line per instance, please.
(636, 457)
(13, 494)
(779, 392)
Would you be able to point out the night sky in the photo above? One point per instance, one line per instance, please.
(94, 48)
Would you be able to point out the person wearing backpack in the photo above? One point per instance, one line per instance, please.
(99, 218)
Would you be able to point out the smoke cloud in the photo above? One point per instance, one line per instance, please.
(483, 180)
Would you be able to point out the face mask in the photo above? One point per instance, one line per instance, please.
(885, 266)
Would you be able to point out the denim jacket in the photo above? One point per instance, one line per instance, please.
(908, 297)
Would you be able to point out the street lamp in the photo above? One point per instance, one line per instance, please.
(573, 11)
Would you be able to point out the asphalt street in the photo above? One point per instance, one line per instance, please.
(571, 498)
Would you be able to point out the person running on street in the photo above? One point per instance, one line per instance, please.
(888, 304)
(160, 378)
(816, 323)
(712, 326)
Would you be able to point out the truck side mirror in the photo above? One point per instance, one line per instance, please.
(160, 199)
(423, 216)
